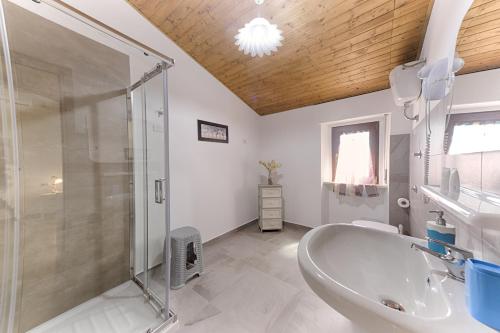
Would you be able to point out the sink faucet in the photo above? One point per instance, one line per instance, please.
(454, 263)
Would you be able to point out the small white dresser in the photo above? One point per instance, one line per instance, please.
(270, 207)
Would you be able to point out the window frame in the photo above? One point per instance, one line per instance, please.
(373, 128)
(384, 121)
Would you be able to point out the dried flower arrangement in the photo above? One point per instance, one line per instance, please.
(270, 166)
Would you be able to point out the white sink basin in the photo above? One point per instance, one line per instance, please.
(354, 269)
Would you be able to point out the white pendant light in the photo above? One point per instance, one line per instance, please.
(259, 37)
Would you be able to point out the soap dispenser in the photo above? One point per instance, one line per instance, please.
(440, 230)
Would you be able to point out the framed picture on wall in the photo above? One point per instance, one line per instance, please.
(212, 132)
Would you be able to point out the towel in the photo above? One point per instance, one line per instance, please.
(371, 190)
(358, 190)
(341, 189)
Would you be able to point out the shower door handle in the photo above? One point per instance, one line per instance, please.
(159, 190)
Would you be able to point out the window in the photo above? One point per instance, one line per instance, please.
(356, 150)
(355, 153)
(472, 132)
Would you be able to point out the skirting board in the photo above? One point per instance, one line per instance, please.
(228, 233)
(297, 226)
(231, 232)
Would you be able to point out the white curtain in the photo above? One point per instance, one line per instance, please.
(471, 138)
(355, 164)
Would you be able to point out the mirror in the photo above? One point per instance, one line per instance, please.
(472, 132)
(465, 138)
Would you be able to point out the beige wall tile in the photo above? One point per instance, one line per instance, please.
(73, 125)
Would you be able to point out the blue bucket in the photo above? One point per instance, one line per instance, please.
(482, 291)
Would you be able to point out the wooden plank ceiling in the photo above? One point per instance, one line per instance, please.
(332, 49)
(479, 38)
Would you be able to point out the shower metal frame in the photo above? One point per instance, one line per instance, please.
(154, 299)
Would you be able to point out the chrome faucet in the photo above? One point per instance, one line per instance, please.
(454, 263)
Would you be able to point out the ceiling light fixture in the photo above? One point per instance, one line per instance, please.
(259, 37)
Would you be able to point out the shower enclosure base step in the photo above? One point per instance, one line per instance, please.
(119, 310)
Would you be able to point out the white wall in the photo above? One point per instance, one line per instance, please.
(213, 186)
(294, 139)
(440, 40)
(442, 30)
(474, 88)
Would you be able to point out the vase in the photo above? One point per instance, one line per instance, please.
(269, 179)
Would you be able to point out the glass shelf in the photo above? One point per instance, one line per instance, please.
(470, 206)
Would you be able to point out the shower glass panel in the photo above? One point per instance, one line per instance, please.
(9, 193)
(72, 186)
(148, 102)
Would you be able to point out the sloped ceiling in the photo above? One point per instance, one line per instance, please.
(479, 37)
(332, 49)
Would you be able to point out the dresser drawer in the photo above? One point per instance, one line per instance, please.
(271, 192)
(271, 214)
(271, 224)
(271, 202)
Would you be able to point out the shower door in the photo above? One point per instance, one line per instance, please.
(148, 117)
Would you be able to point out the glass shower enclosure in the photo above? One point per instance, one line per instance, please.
(84, 200)
(148, 125)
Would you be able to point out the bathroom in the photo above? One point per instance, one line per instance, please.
(127, 207)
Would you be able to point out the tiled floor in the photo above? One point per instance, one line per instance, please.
(252, 283)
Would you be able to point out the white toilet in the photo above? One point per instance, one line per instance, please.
(376, 225)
